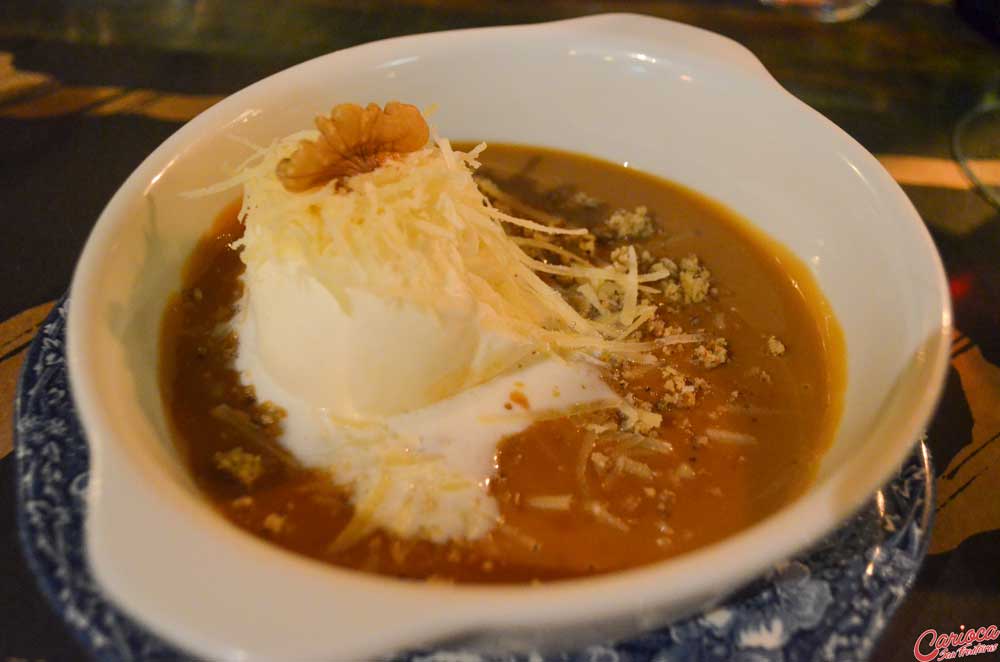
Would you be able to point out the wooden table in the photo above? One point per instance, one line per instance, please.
(115, 79)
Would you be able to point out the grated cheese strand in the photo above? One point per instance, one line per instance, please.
(420, 224)
(631, 288)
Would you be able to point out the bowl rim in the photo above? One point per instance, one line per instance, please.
(590, 599)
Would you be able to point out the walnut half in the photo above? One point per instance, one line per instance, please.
(353, 140)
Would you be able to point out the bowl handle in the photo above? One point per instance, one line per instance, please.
(642, 33)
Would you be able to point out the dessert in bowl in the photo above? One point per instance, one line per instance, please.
(414, 337)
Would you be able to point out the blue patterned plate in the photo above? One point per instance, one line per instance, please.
(830, 603)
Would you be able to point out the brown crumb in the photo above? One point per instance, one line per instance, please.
(638, 416)
(625, 224)
(679, 390)
(711, 354)
(241, 465)
(247, 391)
(760, 374)
(274, 523)
(774, 346)
(695, 280)
(672, 291)
(656, 328)
(583, 199)
(663, 264)
(268, 414)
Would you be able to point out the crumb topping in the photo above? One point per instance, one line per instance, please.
(583, 199)
(695, 279)
(711, 354)
(638, 416)
(274, 523)
(241, 465)
(688, 283)
(679, 390)
(774, 346)
(634, 224)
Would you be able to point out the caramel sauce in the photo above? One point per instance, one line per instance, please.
(575, 500)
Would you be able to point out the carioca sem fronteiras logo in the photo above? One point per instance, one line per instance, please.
(972, 641)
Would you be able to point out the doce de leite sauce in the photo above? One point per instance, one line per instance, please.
(357, 380)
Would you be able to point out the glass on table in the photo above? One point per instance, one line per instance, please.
(827, 11)
(976, 145)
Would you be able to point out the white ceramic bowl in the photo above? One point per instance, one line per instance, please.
(668, 99)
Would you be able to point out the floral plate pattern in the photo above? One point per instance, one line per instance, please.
(828, 604)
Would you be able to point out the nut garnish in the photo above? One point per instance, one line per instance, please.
(353, 140)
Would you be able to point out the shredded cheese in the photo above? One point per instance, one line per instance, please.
(730, 437)
(603, 515)
(420, 224)
(629, 466)
(550, 502)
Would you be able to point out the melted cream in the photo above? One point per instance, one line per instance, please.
(420, 473)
